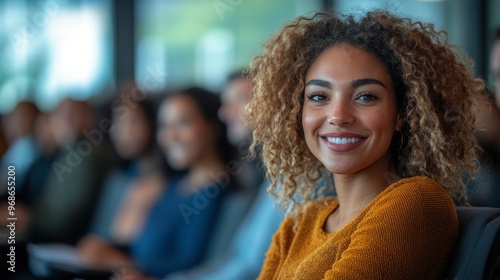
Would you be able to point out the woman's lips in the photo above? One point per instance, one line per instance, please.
(342, 142)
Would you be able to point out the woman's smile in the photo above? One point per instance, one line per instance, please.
(342, 142)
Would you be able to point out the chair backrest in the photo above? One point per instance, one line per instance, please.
(231, 213)
(477, 250)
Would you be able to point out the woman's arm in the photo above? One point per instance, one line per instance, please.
(276, 252)
(409, 234)
(273, 259)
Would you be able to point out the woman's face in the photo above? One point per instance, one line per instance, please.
(349, 112)
(131, 133)
(184, 134)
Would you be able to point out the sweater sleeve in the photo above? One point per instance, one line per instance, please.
(408, 234)
(274, 254)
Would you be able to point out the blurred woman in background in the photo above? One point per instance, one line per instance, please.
(179, 227)
(128, 196)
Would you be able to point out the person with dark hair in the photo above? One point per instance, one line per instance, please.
(385, 107)
(177, 231)
(127, 196)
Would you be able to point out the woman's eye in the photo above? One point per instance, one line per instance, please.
(316, 97)
(367, 97)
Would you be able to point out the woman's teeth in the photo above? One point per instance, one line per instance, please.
(337, 140)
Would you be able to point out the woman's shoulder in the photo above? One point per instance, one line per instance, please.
(422, 188)
(417, 198)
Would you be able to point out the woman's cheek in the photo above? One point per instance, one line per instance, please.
(311, 121)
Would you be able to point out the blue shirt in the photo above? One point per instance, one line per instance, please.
(178, 229)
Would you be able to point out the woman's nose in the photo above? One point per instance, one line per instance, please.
(340, 113)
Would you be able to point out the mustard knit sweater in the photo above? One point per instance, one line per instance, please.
(407, 232)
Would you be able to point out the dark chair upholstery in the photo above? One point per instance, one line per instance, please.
(477, 250)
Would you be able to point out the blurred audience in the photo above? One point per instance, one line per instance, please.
(244, 258)
(178, 229)
(128, 194)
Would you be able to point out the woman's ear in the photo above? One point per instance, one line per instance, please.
(399, 122)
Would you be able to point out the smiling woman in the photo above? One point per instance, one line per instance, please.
(384, 106)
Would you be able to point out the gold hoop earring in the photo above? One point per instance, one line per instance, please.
(400, 141)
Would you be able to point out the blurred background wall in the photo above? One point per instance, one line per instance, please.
(51, 49)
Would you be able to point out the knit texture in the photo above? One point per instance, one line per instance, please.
(407, 232)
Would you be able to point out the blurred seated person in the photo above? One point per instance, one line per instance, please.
(486, 190)
(178, 229)
(41, 166)
(22, 151)
(66, 200)
(246, 254)
(234, 97)
(488, 119)
(128, 195)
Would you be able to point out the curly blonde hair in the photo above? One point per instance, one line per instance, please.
(435, 93)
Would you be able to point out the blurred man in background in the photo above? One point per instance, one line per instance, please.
(235, 96)
(486, 189)
(67, 198)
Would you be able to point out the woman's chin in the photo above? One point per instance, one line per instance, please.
(341, 169)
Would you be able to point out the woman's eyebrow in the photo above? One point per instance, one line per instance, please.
(354, 83)
(320, 83)
(368, 81)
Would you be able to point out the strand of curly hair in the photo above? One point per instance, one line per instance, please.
(435, 91)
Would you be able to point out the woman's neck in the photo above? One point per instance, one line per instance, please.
(205, 171)
(145, 163)
(355, 191)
